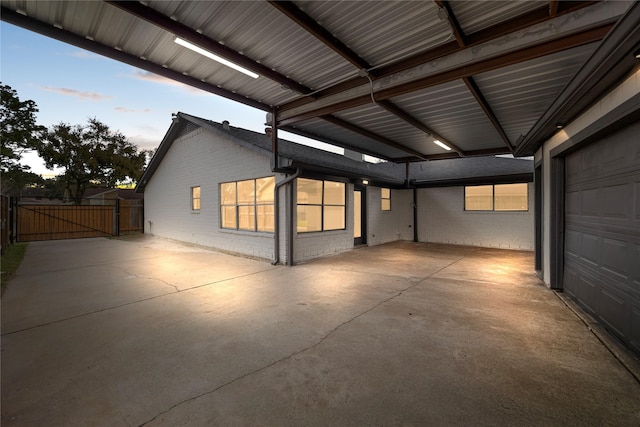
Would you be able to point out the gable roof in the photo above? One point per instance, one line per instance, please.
(313, 161)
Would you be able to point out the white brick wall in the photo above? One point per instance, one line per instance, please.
(195, 159)
(442, 219)
(389, 226)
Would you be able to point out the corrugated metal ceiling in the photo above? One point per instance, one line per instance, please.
(317, 44)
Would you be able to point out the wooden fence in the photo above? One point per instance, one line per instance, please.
(5, 223)
(44, 222)
(53, 222)
(131, 217)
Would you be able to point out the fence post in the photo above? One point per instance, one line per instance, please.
(13, 220)
(117, 217)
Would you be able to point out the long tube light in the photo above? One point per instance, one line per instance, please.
(441, 144)
(215, 57)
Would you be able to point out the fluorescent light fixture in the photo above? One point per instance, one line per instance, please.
(441, 144)
(365, 181)
(216, 58)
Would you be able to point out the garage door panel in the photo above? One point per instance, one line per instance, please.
(591, 160)
(615, 256)
(588, 292)
(612, 208)
(590, 248)
(617, 154)
(610, 306)
(572, 243)
(572, 204)
(602, 231)
(570, 282)
(635, 327)
(636, 206)
(636, 267)
(572, 169)
(590, 202)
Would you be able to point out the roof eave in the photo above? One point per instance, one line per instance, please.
(610, 63)
(162, 150)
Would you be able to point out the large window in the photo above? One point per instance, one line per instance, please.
(195, 199)
(247, 205)
(385, 199)
(321, 205)
(499, 197)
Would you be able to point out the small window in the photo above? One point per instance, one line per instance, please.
(195, 198)
(385, 199)
(478, 198)
(499, 197)
(248, 205)
(320, 205)
(511, 197)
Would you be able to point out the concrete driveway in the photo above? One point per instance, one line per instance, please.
(148, 331)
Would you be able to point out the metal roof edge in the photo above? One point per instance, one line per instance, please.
(482, 180)
(610, 62)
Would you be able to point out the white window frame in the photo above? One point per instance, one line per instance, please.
(195, 209)
(322, 208)
(383, 199)
(493, 198)
(256, 204)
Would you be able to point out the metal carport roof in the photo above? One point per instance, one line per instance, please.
(385, 78)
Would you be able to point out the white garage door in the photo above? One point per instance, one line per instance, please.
(602, 231)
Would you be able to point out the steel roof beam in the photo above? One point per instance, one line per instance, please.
(404, 83)
(612, 61)
(529, 19)
(484, 104)
(309, 24)
(303, 20)
(371, 135)
(469, 81)
(450, 155)
(453, 21)
(397, 111)
(65, 36)
(156, 18)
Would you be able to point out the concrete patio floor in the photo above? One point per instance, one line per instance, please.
(147, 331)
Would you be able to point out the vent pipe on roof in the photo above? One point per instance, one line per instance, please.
(225, 125)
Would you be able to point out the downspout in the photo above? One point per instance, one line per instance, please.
(291, 206)
(275, 167)
(276, 215)
(414, 205)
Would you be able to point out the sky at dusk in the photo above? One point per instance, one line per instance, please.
(70, 85)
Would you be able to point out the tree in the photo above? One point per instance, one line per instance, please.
(19, 132)
(90, 154)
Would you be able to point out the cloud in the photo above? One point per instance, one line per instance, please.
(131, 110)
(84, 95)
(145, 142)
(154, 78)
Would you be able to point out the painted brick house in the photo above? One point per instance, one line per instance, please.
(215, 185)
